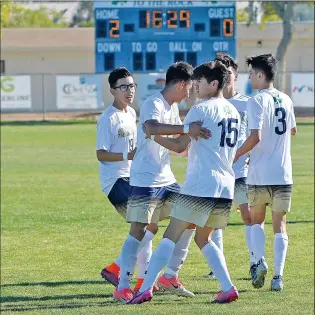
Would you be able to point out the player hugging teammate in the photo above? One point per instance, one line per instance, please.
(221, 132)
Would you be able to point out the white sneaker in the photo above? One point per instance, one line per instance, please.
(277, 283)
(261, 271)
(210, 275)
(252, 271)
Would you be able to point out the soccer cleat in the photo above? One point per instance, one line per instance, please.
(140, 298)
(277, 283)
(227, 297)
(261, 271)
(174, 285)
(123, 295)
(110, 276)
(210, 275)
(139, 284)
(252, 271)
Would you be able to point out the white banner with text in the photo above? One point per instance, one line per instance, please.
(16, 92)
(79, 92)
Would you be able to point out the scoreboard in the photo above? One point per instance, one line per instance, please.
(148, 36)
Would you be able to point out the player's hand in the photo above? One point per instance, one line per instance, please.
(131, 154)
(196, 131)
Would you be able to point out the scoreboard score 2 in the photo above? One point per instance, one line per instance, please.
(148, 36)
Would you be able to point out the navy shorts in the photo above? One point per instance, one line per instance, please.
(119, 195)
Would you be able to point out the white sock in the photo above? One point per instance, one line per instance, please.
(216, 262)
(148, 236)
(257, 236)
(145, 253)
(118, 260)
(159, 259)
(281, 242)
(217, 238)
(252, 259)
(179, 254)
(128, 261)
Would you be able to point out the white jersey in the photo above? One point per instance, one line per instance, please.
(209, 169)
(151, 164)
(271, 111)
(240, 102)
(116, 132)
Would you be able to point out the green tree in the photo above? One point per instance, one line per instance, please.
(242, 15)
(277, 11)
(84, 17)
(14, 15)
(5, 10)
(250, 13)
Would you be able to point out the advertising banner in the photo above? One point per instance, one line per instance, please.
(302, 89)
(149, 84)
(79, 92)
(16, 92)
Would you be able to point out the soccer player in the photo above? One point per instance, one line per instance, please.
(271, 122)
(206, 197)
(116, 146)
(152, 181)
(241, 166)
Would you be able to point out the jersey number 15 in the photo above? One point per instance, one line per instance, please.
(227, 131)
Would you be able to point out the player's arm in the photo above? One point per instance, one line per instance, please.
(185, 152)
(292, 121)
(181, 143)
(178, 145)
(182, 154)
(105, 156)
(249, 144)
(104, 140)
(153, 127)
(152, 113)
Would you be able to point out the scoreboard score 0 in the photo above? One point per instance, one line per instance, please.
(148, 36)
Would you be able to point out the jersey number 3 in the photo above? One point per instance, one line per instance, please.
(228, 130)
(281, 114)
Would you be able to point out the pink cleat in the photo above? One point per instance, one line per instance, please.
(227, 297)
(124, 295)
(140, 298)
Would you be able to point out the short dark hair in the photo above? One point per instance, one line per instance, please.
(266, 63)
(227, 60)
(116, 74)
(213, 70)
(179, 71)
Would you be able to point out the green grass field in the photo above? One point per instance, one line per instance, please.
(58, 230)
